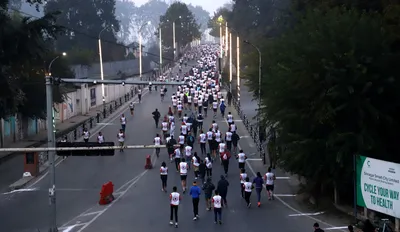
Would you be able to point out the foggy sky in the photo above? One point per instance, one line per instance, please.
(208, 5)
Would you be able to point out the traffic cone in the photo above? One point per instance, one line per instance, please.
(106, 193)
(148, 164)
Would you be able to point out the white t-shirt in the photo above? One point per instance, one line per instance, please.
(195, 161)
(123, 120)
(269, 177)
(243, 177)
(209, 135)
(218, 136)
(203, 138)
(217, 201)
(157, 141)
(233, 127)
(181, 139)
(188, 150)
(175, 198)
(100, 139)
(164, 171)
(177, 153)
(179, 107)
(164, 126)
(183, 168)
(221, 147)
(241, 157)
(174, 101)
(230, 118)
(215, 105)
(228, 136)
(121, 137)
(248, 186)
(208, 163)
(86, 134)
(184, 129)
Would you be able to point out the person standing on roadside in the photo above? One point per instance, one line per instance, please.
(258, 182)
(174, 198)
(208, 188)
(164, 176)
(195, 193)
(217, 205)
(222, 188)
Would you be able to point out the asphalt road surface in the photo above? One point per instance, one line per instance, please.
(140, 204)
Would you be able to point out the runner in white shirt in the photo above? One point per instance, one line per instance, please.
(232, 127)
(184, 129)
(174, 199)
(214, 126)
(185, 118)
(248, 188)
(121, 139)
(188, 154)
(229, 118)
(241, 157)
(172, 128)
(100, 138)
(195, 101)
(183, 170)
(221, 147)
(269, 183)
(228, 139)
(164, 176)
(242, 179)
(164, 128)
(174, 103)
(202, 141)
(218, 136)
(209, 165)
(181, 139)
(86, 135)
(180, 107)
(178, 157)
(157, 142)
(123, 122)
(189, 97)
(196, 164)
(217, 205)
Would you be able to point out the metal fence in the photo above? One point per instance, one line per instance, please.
(74, 133)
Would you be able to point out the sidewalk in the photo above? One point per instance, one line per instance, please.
(11, 164)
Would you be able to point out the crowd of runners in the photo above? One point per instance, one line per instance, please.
(182, 127)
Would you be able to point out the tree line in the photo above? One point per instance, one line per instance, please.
(330, 83)
(29, 43)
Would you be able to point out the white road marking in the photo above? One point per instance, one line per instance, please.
(286, 204)
(107, 124)
(80, 139)
(305, 214)
(245, 136)
(256, 159)
(284, 195)
(21, 190)
(282, 178)
(65, 228)
(91, 213)
(68, 229)
(336, 228)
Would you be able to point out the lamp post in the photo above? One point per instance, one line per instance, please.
(237, 62)
(226, 38)
(140, 47)
(221, 40)
(174, 35)
(51, 129)
(101, 66)
(259, 90)
(230, 62)
(161, 60)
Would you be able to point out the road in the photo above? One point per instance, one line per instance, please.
(140, 204)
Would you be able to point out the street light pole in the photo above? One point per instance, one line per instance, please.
(51, 129)
(226, 38)
(173, 38)
(230, 62)
(238, 67)
(161, 60)
(259, 93)
(221, 40)
(101, 67)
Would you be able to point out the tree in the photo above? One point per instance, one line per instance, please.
(186, 27)
(219, 18)
(25, 45)
(84, 20)
(125, 11)
(333, 94)
(202, 16)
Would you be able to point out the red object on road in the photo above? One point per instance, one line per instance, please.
(106, 193)
(148, 164)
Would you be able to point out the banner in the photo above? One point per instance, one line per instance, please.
(378, 185)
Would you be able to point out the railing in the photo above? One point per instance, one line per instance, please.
(250, 127)
(76, 132)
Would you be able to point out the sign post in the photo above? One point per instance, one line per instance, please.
(378, 185)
